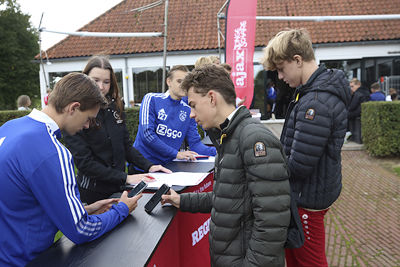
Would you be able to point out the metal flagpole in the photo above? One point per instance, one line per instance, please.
(107, 34)
(219, 32)
(165, 45)
(331, 18)
(40, 54)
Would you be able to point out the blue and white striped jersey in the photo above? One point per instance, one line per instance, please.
(164, 123)
(38, 192)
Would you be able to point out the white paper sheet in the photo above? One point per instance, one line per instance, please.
(208, 159)
(177, 178)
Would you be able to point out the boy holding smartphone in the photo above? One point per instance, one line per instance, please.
(250, 201)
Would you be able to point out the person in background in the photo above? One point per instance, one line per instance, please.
(392, 96)
(227, 67)
(101, 151)
(312, 136)
(164, 124)
(215, 60)
(269, 100)
(23, 102)
(38, 192)
(250, 201)
(201, 61)
(376, 94)
(359, 95)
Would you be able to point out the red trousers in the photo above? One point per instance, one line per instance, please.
(312, 253)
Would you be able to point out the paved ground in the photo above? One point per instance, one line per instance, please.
(363, 225)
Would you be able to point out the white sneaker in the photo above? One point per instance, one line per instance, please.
(347, 136)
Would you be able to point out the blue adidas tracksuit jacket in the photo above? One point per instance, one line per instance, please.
(38, 192)
(164, 123)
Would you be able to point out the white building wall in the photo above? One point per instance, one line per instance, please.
(126, 64)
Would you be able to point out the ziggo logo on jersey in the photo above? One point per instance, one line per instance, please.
(163, 130)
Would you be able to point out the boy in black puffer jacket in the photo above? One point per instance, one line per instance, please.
(312, 136)
(250, 201)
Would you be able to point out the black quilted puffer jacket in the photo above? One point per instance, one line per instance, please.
(313, 135)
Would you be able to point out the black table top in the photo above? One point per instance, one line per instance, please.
(183, 166)
(137, 236)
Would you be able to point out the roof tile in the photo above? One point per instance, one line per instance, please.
(192, 25)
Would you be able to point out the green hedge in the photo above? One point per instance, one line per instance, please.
(380, 127)
(132, 121)
(132, 118)
(6, 115)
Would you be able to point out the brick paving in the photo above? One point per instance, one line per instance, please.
(363, 225)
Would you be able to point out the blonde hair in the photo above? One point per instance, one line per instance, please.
(355, 81)
(215, 59)
(201, 61)
(285, 45)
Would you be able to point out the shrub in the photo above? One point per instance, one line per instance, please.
(380, 127)
(6, 115)
(132, 121)
(132, 118)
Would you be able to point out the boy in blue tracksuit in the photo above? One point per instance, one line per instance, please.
(164, 123)
(38, 192)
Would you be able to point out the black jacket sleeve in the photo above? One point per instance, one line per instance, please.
(196, 202)
(355, 106)
(88, 163)
(133, 155)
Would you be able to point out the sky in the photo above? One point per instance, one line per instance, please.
(63, 15)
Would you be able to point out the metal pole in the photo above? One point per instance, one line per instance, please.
(331, 18)
(107, 34)
(165, 45)
(40, 53)
(219, 16)
(219, 38)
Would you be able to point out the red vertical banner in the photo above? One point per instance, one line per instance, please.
(239, 46)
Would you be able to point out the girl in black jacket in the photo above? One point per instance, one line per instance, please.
(100, 153)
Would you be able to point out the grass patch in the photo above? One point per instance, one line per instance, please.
(391, 164)
(396, 170)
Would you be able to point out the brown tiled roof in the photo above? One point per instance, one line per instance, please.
(192, 25)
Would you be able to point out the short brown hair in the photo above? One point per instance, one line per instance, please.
(176, 68)
(76, 87)
(375, 86)
(285, 45)
(23, 101)
(211, 77)
(227, 67)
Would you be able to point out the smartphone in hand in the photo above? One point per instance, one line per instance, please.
(139, 188)
(156, 198)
